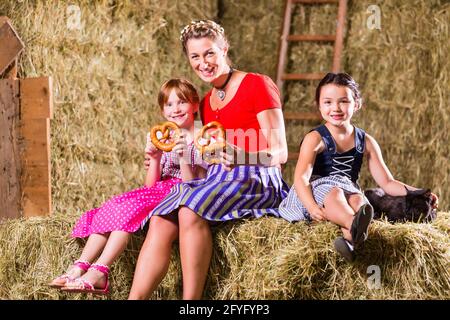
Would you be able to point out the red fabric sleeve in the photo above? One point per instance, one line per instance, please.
(265, 94)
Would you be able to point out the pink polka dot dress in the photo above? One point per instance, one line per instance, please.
(126, 212)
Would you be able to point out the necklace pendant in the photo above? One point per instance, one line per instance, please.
(221, 94)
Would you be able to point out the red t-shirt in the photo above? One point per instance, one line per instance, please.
(256, 93)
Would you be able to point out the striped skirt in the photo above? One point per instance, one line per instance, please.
(291, 208)
(224, 195)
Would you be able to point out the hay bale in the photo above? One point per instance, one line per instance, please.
(267, 258)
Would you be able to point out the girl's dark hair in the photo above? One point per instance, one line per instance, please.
(340, 79)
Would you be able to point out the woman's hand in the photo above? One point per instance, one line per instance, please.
(232, 157)
(151, 152)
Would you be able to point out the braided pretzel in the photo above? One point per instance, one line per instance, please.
(210, 150)
(167, 141)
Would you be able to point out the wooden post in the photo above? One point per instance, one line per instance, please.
(340, 30)
(284, 44)
(36, 111)
(25, 111)
(10, 168)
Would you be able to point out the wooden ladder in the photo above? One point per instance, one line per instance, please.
(286, 37)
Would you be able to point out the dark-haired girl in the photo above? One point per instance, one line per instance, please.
(325, 182)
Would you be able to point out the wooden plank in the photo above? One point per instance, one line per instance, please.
(302, 116)
(339, 43)
(36, 98)
(35, 146)
(10, 45)
(4, 19)
(311, 37)
(11, 71)
(36, 168)
(35, 176)
(10, 169)
(36, 103)
(282, 52)
(303, 76)
(36, 201)
(315, 1)
(293, 156)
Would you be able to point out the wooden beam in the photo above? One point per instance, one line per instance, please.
(36, 104)
(36, 98)
(10, 45)
(283, 46)
(315, 1)
(303, 76)
(340, 31)
(35, 178)
(302, 116)
(311, 37)
(10, 168)
(293, 156)
(37, 205)
(11, 71)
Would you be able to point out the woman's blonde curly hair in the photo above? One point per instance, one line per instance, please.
(203, 29)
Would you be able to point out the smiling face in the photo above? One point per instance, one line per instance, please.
(179, 110)
(207, 57)
(337, 104)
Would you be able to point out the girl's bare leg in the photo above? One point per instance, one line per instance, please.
(195, 252)
(339, 211)
(116, 244)
(154, 257)
(355, 201)
(94, 246)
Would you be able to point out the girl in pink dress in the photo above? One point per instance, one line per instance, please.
(109, 227)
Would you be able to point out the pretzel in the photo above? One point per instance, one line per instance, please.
(210, 150)
(167, 141)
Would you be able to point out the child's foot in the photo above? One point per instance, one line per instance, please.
(75, 271)
(360, 225)
(344, 248)
(94, 277)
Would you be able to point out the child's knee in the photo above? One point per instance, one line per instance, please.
(335, 192)
(356, 201)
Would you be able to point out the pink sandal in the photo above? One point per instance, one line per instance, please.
(87, 286)
(82, 264)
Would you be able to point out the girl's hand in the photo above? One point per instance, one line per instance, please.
(151, 152)
(181, 147)
(317, 214)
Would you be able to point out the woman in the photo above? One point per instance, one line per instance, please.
(248, 106)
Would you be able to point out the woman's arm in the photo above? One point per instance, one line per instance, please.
(311, 146)
(272, 126)
(380, 171)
